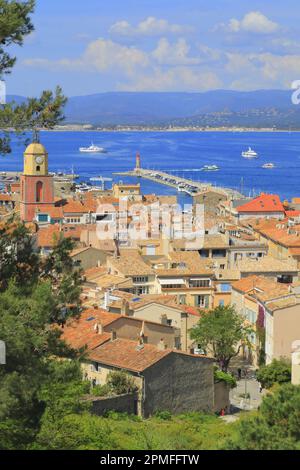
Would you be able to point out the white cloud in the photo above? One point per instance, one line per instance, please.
(174, 79)
(262, 70)
(100, 55)
(151, 26)
(174, 54)
(171, 66)
(286, 44)
(209, 53)
(105, 54)
(253, 22)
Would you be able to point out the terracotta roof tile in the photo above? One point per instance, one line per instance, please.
(94, 272)
(5, 197)
(54, 211)
(130, 263)
(124, 354)
(266, 264)
(284, 302)
(261, 287)
(292, 213)
(81, 332)
(79, 207)
(48, 236)
(263, 203)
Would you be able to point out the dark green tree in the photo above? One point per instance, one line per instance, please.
(275, 427)
(31, 343)
(36, 113)
(66, 422)
(15, 24)
(18, 260)
(278, 372)
(120, 382)
(221, 333)
(66, 281)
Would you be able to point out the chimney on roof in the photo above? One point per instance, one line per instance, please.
(98, 328)
(106, 300)
(117, 248)
(125, 308)
(161, 345)
(113, 335)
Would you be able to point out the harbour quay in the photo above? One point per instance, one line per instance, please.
(185, 185)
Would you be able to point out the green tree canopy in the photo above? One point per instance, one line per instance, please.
(120, 382)
(30, 302)
(278, 372)
(35, 113)
(275, 427)
(15, 24)
(20, 262)
(221, 333)
(31, 343)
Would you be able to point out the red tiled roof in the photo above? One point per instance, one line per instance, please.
(124, 354)
(263, 203)
(94, 272)
(190, 310)
(292, 213)
(73, 231)
(53, 211)
(5, 197)
(80, 332)
(48, 236)
(294, 251)
(79, 207)
(266, 287)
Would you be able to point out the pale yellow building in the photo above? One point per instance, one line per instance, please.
(127, 191)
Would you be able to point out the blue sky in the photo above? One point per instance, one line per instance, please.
(96, 46)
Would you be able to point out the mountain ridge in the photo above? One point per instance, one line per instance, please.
(161, 108)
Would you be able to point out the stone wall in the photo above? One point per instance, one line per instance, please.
(221, 400)
(179, 383)
(126, 403)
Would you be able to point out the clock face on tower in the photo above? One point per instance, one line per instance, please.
(39, 160)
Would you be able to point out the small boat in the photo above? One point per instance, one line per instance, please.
(210, 168)
(268, 166)
(92, 149)
(250, 153)
(100, 178)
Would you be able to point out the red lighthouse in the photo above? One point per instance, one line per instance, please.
(138, 162)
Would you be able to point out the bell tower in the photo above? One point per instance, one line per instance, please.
(36, 160)
(37, 188)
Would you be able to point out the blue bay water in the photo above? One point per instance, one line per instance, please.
(182, 153)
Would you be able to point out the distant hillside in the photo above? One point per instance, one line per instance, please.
(219, 107)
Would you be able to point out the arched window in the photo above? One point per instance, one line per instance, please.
(39, 191)
(38, 168)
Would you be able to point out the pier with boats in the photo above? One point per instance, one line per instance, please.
(190, 187)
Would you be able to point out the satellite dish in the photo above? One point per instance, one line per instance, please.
(2, 353)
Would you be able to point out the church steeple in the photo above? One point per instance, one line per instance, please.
(36, 160)
(37, 186)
